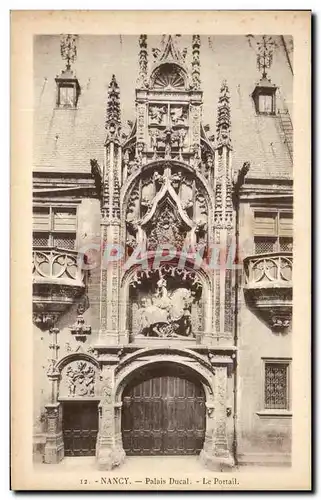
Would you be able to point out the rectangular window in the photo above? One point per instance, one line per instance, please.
(273, 231)
(66, 96)
(266, 104)
(55, 226)
(276, 385)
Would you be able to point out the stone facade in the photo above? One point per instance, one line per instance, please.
(162, 241)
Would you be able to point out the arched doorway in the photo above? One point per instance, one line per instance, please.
(163, 412)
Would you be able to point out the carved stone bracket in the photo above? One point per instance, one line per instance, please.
(45, 320)
(80, 330)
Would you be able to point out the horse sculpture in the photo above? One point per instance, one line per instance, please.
(167, 315)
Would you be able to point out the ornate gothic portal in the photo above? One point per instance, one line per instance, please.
(166, 200)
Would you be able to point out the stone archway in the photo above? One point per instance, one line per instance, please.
(163, 411)
(213, 378)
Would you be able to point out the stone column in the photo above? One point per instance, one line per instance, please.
(109, 451)
(54, 447)
(216, 455)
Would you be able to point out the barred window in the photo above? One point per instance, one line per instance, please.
(54, 226)
(276, 385)
(273, 231)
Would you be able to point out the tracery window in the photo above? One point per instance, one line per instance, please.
(276, 384)
(273, 231)
(54, 226)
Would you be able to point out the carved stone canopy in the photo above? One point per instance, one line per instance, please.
(167, 205)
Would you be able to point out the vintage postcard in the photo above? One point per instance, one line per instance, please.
(160, 250)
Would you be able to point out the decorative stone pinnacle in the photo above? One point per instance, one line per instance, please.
(143, 61)
(265, 54)
(113, 103)
(223, 124)
(196, 78)
(68, 49)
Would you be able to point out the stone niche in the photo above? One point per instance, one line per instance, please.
(165, 303)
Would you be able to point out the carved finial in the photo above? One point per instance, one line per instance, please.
(223, 124)
(265, 54)
(68, 49)
(113, 124)
(169, 51)
(143, 61)
(113, 102)
(196, 75)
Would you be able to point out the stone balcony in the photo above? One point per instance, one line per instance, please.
(268, 287)
(57, 280)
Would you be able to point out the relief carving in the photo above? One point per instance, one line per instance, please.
(170, 308)
(157, 114)
(78, 380)
(178, 115)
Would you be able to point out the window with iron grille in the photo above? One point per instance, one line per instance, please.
(276, 385)
(273, 231)
(54, 226)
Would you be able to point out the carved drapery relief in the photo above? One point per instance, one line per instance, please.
(167, 206)
(167, 228)
(78, 380)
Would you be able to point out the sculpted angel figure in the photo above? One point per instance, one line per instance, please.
(177, 115)
(156, 113)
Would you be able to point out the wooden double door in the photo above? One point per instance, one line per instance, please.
(163, 413)
(80, 428)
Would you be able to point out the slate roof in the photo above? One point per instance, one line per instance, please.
(66, 139)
